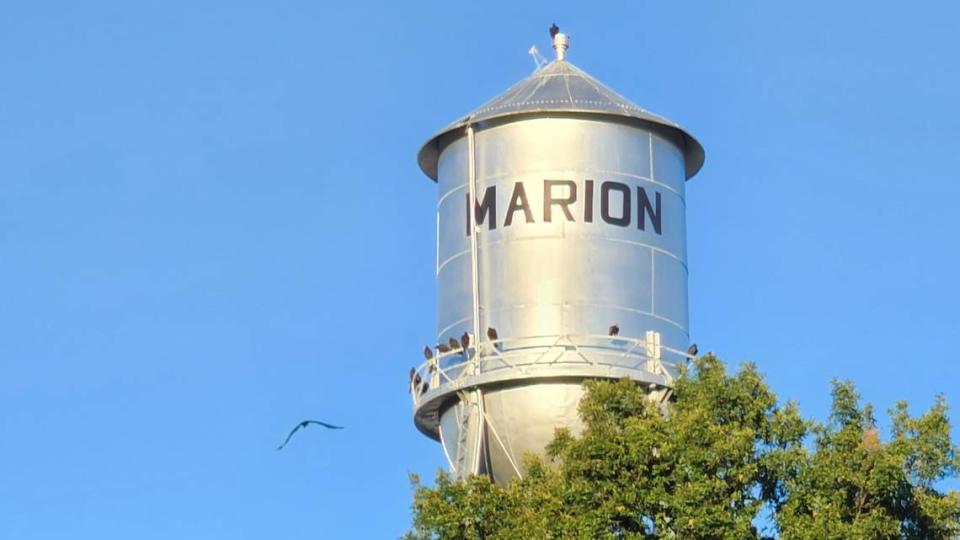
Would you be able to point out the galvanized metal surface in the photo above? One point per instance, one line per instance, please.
(579, 224)
(534, 359)
(564, 276)
(561, 87)
(574, 272)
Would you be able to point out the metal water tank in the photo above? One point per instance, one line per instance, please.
(573, 267)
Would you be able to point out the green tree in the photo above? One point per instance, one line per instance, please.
(854, 486)
(716, 460)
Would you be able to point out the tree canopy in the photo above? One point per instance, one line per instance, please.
(723, 459)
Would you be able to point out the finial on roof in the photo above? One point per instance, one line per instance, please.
(560, 41)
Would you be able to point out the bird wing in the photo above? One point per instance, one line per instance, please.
(324, 424)
(289, 436)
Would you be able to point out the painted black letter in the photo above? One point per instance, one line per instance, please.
(644, 208)
(588, 202)
(484, 210)
(549, 201)
(605, 188)
(518, 202)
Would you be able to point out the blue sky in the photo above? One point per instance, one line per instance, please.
(212, 225)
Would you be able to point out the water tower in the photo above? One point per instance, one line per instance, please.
(561, 256)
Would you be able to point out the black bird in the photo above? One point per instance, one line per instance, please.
(692, 351)
(554, 30)
(414, 379)
(427, 353)
(492, 334)
(465, 341)
(614, 330)
(441, 348)
(454, 344)
(304, 424)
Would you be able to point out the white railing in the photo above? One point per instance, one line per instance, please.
(455, 367)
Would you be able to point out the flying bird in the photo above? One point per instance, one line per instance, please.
(465, 341)
(492, 334)
(304, 424)
(428, 353)
(554, 30)
(614, 330)
(692, 351)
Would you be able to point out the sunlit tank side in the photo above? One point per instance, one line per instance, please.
(579, 197)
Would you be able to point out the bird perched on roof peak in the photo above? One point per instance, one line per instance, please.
(554, 30)
(614, 330)
(692, 351)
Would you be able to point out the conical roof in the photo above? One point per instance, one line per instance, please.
(562, 87)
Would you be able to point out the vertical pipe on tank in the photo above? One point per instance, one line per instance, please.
(475, 285)
(474, 269)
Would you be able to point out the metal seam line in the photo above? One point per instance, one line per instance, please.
(587, 304)
(540, 171)
(662, 251)
(436, 266)
(653, 281)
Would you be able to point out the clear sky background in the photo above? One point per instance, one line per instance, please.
(212, 225)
